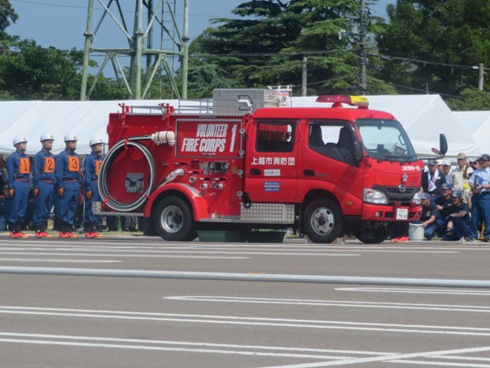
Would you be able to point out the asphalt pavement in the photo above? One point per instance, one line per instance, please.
(130, 302)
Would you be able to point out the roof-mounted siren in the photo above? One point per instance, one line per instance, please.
(337, 100)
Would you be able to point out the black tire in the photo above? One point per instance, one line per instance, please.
(380, 235)
(173, 220)
(322, 221)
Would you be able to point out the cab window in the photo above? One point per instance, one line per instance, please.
(275, 136)
(333, 139)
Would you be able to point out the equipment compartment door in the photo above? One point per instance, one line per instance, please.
(272, 162)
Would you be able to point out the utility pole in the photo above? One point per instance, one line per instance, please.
(305, 74)
(362, 53)
(481, 74)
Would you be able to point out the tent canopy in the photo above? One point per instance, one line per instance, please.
(424, 117)
(477, 124)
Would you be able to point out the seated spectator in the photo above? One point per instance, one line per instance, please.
(444, 204)
(428, 217)
(459, 223)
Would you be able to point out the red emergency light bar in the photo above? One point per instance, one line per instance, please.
(338, 100)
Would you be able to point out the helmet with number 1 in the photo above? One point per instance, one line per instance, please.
(70, 137)
(19, 139)
(46, 137)
(96, 140)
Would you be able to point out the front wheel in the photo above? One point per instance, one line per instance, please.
(173, 220)
(374, 236)
(322, 221)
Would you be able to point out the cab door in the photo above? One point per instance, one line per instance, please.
(272, 161)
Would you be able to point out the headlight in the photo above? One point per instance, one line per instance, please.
(374, 196)
(417, 198)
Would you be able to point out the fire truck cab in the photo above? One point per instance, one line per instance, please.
(322, 171)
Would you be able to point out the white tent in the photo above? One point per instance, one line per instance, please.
(477, 124)
(424, 117)
(30, 119)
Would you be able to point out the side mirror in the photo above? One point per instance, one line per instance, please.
(442, 146)
(358, 155)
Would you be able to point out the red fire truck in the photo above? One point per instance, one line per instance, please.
(321, 171)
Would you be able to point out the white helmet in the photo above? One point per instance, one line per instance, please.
(46, 137)
(96, 140)
(70, 137)
(19, 139)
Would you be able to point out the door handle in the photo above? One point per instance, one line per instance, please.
(255, 172)
(308, 172)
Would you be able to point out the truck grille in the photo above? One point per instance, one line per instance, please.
(395, 195)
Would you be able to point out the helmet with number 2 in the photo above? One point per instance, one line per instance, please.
(46, 137)
(70, 138)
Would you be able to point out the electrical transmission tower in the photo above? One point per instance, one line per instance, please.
(154, 22)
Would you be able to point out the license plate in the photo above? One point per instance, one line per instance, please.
(402, 214)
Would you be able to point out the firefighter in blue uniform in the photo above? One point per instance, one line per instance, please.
(19, 170)
(43, 181)
(91, 174)
(69, 181)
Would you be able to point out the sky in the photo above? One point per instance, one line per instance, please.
(61, 23)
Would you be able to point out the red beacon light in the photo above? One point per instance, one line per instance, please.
(338, 100)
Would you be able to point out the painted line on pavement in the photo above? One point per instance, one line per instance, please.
(333, 303)
(416, 291)
(248, 321)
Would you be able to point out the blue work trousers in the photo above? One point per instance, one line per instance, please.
(484, 207)
(90, 218)
(19, 202)
(68, 203)
(43, 203)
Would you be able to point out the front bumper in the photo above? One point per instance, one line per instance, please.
(373, 212)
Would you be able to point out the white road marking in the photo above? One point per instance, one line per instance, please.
(334, 303)
(118, 255)
(56, 260)
(399, 358)
(249, 321)
(163, 345)
(416, 291)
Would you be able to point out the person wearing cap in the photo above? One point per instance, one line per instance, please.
(69, 180)
(446, 170)
(480, 187)
(92, 165)
(19, 170)
(459, 219)
(459, 175)
(432, 179)
(43, 181)
(428, 216)
(444, 204)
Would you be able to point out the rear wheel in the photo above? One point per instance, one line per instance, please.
(173, 220)
(322, 221)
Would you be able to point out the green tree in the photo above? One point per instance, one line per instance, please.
(434, 44)
(7, 17)
(266, 44)
(471, 99)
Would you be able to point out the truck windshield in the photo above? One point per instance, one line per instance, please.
(385, 140)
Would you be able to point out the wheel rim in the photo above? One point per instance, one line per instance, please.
(322, 221)
(172, 219)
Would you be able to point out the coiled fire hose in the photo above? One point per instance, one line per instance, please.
(105, 168)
